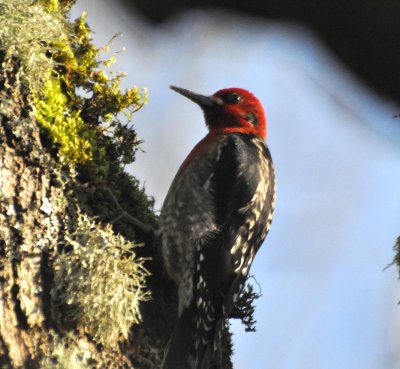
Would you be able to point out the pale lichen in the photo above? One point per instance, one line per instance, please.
(25, 41)
(101, 281)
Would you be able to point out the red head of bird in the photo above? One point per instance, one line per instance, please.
(230, 110)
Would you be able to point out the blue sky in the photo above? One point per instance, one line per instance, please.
(326, 304)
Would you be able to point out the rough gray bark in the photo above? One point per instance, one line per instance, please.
(31, 213)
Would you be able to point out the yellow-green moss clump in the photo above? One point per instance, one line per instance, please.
(65, 126)
(101, 281)
(74, 101)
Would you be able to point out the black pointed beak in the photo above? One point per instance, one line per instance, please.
(203, 101)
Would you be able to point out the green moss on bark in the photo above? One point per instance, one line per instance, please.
(91, 281)
(75, 101)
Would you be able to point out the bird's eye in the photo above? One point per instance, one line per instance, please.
(232, 98)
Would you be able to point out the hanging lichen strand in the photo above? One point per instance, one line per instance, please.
(104, 307)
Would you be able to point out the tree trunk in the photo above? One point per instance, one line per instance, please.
(55, 309)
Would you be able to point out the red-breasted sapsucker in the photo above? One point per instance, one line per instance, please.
(214, 218)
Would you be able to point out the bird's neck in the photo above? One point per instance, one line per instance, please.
(218, 131)
(212, 135)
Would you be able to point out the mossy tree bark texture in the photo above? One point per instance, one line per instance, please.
(81, 278)
(30, 227)
(43, 318)
(74, 271)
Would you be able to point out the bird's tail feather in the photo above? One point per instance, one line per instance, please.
(206, 355)
(179, 351)
(183, 352)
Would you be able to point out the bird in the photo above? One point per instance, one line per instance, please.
(216, 214)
